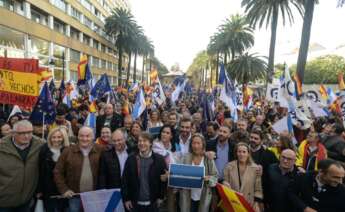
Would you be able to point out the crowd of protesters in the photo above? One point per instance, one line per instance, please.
(299, 171)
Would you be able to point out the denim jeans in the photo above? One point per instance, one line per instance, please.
(54, 205)
(74, 204)
(194, 206)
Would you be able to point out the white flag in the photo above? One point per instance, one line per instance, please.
(158, 93)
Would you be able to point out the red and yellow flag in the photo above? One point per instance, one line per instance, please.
(298, 85)
(82, 67)
(153, 76)
(125, 108)
(93, 107)
(247, 93)
(323, 91)
(45, 74)
(232, 201)
(341, 83)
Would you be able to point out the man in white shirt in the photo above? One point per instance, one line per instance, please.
(112, 162)
(185, 136)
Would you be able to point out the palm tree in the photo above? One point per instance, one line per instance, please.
(261, 11)
(143, 47)
(305, 37)
(232, 38)
(120, 25)
(147, 50)
(198, 69)
(133, 47)
(247, 68)
(238, 35)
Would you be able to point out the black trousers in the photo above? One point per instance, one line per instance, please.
(194, 206)
(142, 208)
(22, 208)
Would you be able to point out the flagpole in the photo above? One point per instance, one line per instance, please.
(43, 126)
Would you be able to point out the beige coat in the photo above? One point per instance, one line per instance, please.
(250, 181)
(206, 193)
(18, 179)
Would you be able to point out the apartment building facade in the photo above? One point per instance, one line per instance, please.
(57, 32)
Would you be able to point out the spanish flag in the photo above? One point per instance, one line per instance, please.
(125, 108)
(341, 81)
(232, 201)
(93, 107)
(323, 91)
(153, 76)
(84, 73)
(247, 93)
(298, 85)
(45, 74)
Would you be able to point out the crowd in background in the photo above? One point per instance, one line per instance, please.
(299, 171)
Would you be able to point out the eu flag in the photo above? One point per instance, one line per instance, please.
(52, 86)
(44, 108)
(62, 91)
(101, 87)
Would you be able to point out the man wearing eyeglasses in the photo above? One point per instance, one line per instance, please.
(19, 167)
(279, 175)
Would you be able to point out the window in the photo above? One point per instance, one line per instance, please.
(61, 4)
(75, 14)
(59, 60)
(95, 44)
(96, 28)
(86, 4)
(110, 65)
(74, 33)
(104, 64)
(14, 6)
(11, 43)
(102, 48)
(59, 26)
(87, 22)
(40, 50)
(39, 16)
(86, 40)
(95, 62)
(75, 55)
(97, 13)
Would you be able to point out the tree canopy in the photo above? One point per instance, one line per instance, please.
(323, 69)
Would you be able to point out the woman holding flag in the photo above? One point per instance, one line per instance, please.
(241, 176)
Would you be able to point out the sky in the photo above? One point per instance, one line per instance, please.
(180, 29)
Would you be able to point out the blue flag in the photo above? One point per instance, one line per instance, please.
(101, 87)
(222, 75)
(139, 106)
(207, 109)
(44, 108)
(91, 121)
(52, 86)
(62, 91)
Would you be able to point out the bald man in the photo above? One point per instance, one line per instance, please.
(77, 168)
(279, 175)
(112, 162)
(111, 119)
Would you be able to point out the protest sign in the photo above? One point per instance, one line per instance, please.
(186, 176)
(19, 81)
